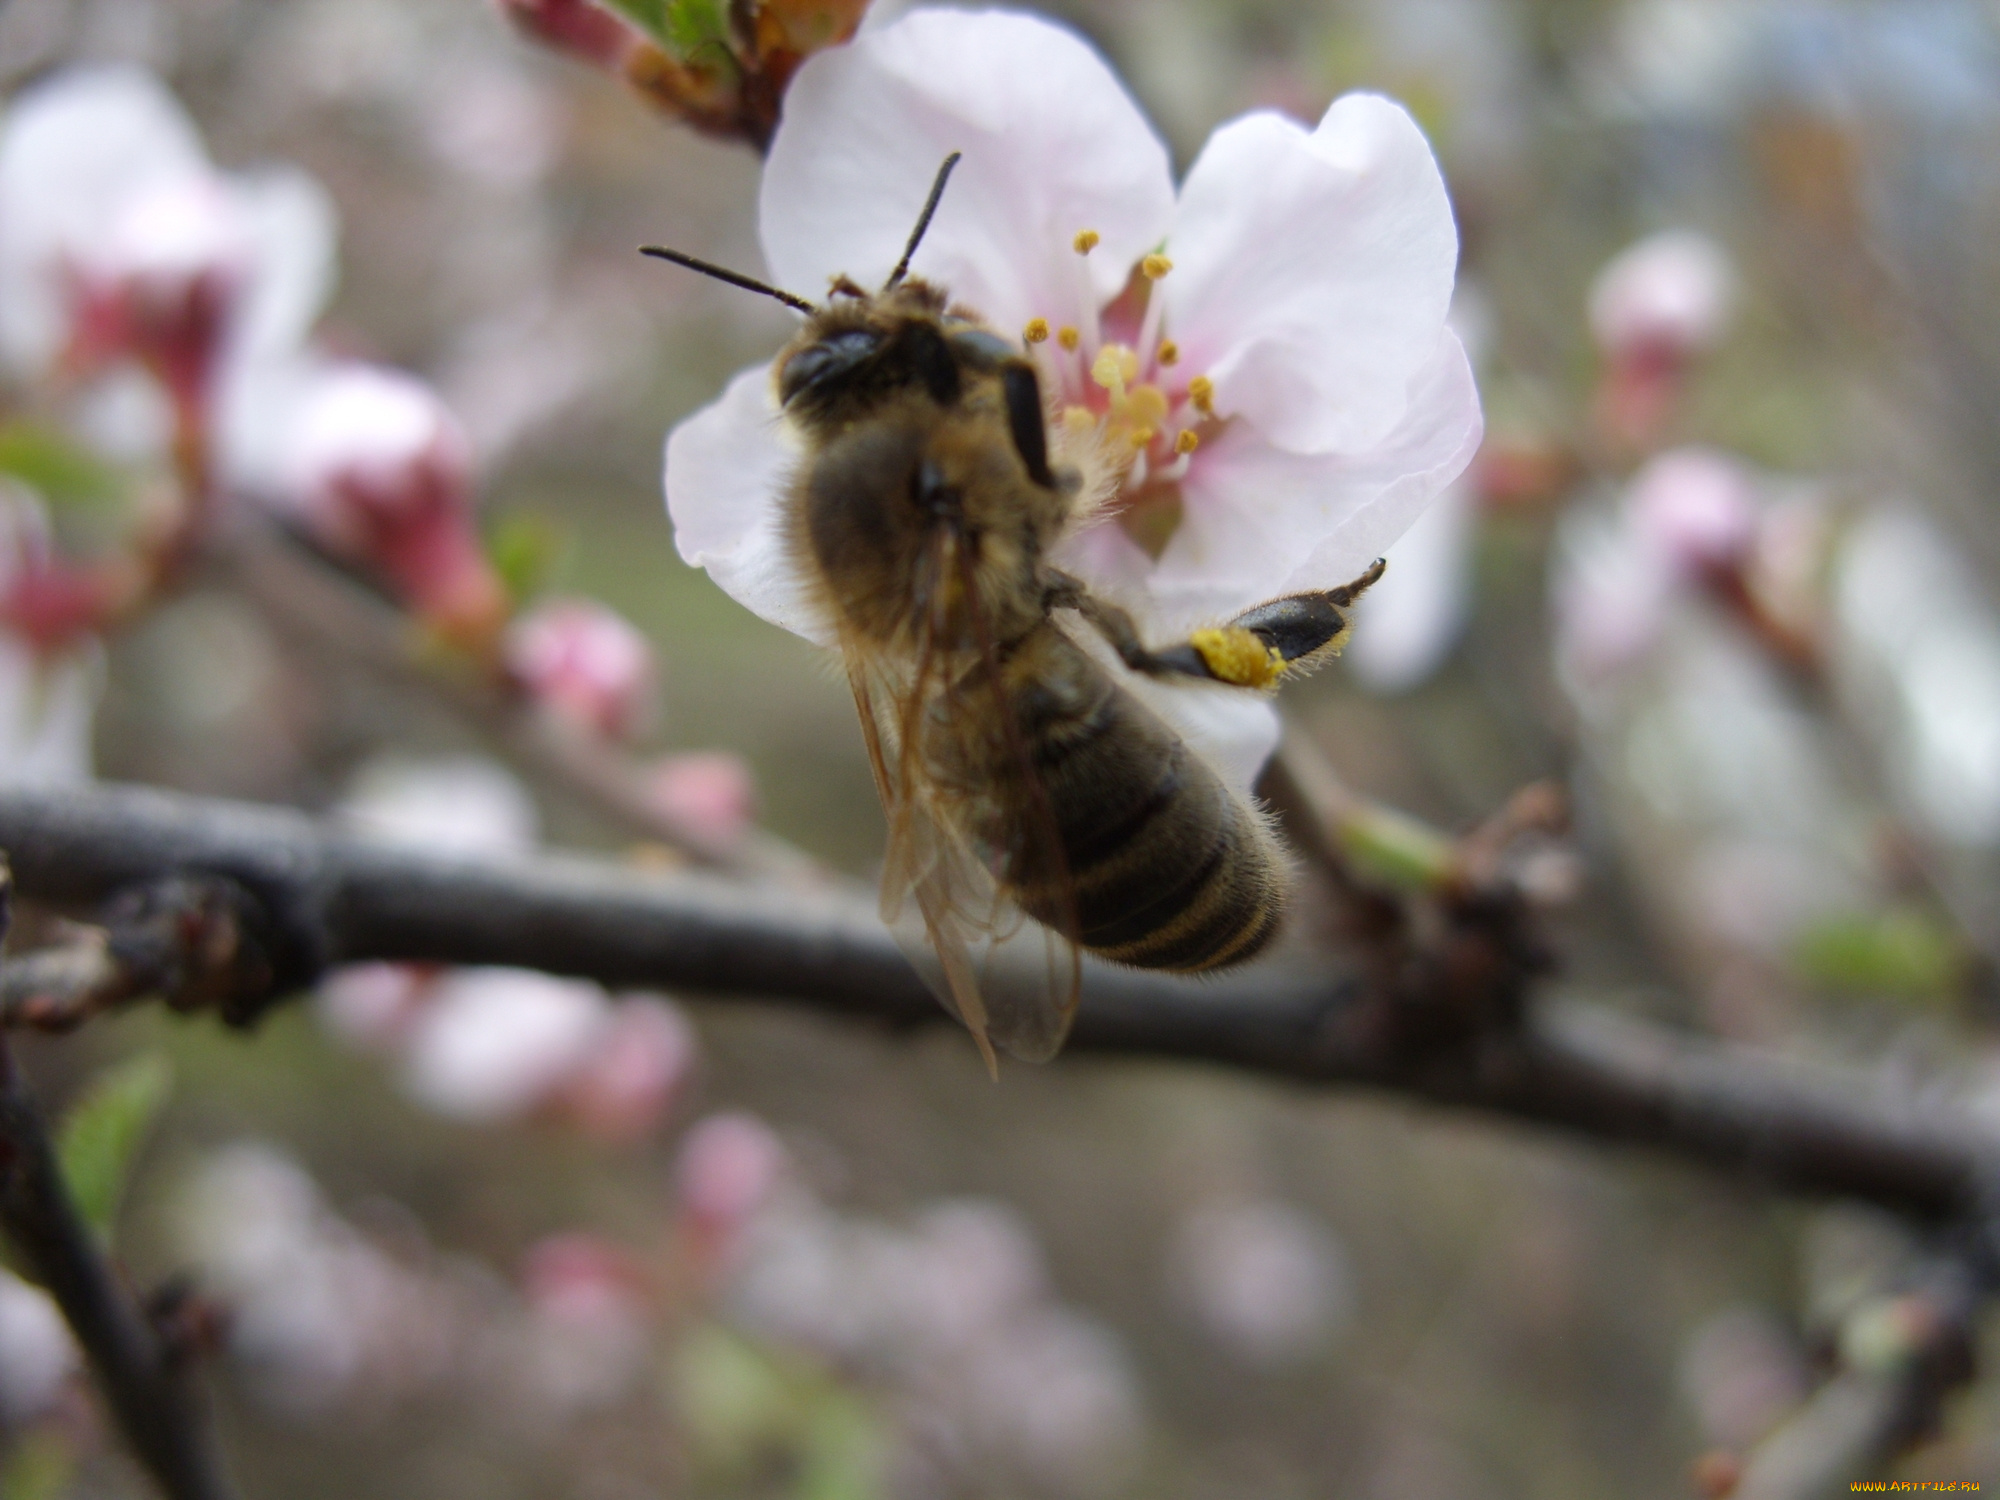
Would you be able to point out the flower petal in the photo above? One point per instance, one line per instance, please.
(1313, 271)
(1250, 510)
(72, 150)
(728, 468)
(1052, 144)
(292, 226)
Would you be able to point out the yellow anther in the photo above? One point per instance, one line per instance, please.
(1153, 267)
(1037, 330)
(1141, 436)
(1068, 337)
(1201, 391)
(1085, 241)
(1169, 352)
(1233, 654)
(1146, 406)
(1114, 367)
(1078, 419)
(1186, 440)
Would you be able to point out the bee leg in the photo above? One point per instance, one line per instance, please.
(1296, 633)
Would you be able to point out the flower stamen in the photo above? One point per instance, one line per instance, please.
(1085, 241)
(1036, 332)
(1201, 391)
(1169, 353)
(1186, 441)
(1068, 338)
(1153, 267)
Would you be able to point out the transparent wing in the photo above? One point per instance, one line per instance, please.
(948, 894)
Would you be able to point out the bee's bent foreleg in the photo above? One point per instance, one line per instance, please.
(1295, 633)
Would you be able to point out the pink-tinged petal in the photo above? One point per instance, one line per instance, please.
(728, 467)
(73, 149)
(1250, 510)
(1313, 272)
(292, 226)
(1052, 144)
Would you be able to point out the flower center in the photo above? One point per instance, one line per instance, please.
(1126, 412)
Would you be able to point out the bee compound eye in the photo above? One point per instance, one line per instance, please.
(819, 366)
(981, 349)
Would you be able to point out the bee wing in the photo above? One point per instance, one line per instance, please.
(1011, 981)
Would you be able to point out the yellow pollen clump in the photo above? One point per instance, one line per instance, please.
(1114, 366)
(1141, 436)
(1068, 337)
(1146, 406)
(1037, 330)
(1235, 655)
(1078, 419)
(1169, 352)
(1186, 441)
(1153, 267)
(1085, 241)
(1201, 391)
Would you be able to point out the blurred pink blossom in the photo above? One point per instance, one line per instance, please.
(1698, 506)
(712, 793)
(1267, 1283)
(37, 1354)
(589, 1328)
(630, 1079)
(461, 805)
(495, 1043)
(1654, 308)
(374, 1005)
(380, 472)
(586, 663)
(579, 27)
(1671, 294)
(730, 1167)
(120, 241)
(1610, 594)
(51, 667)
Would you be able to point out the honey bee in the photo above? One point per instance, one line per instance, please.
(1018, 774)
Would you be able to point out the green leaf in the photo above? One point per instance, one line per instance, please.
(104, 1129)
(1906, 953)
(693, 27)
(525, 550)
(57, 469)
(40, 1467)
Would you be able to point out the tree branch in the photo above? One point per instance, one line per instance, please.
(142, 1377)
(327, 899)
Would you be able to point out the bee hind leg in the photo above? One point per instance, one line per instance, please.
(1294, 634)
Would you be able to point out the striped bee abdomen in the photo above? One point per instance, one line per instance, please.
(1159, 865)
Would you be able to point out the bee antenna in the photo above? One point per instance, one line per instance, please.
(923, 220)
(723, 273)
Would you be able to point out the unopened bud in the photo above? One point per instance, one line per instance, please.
(578, 27)
(382, 475)
(710, 793)
(586, 663)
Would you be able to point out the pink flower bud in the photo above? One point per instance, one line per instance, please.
(163, 285)
(1669, 295)
(711, 793)
(577, 27)
(730, 1165)
(586, 663)
(495, 1043)
(381, 473)
(629, 1081)
(374, 1005)
(1698, 506)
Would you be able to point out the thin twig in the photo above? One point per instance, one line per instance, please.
(329, 898)
(314, 605)
(144, 1381)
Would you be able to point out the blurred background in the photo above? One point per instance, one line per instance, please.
(1726, 569)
